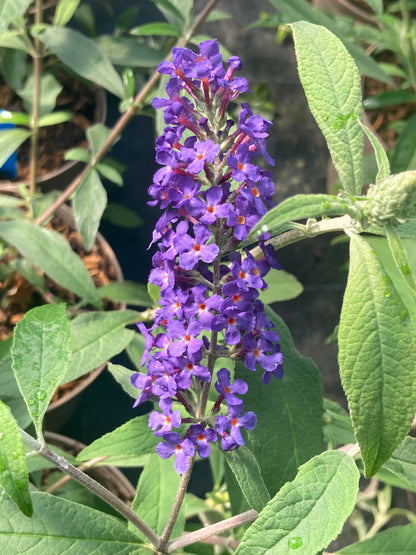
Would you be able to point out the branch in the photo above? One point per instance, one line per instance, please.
(124, 119)
(34, 120)
(209, 531)
(92, 485)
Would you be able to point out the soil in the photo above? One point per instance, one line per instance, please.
(17, 296)
(55, 140)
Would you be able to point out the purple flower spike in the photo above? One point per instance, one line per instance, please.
(192, 250)
(228, 391)
(182, 448)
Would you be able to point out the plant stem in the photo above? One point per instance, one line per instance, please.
(37, 75)
(307, 231)
(209, 531)
(124, 118)
(180, 495)
(92, 485)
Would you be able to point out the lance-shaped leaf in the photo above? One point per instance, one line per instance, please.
(247, 473)
(41, 354)
(289, 413)
(89, 203)
(10, 10)
(97, 337)
(128, 292)
(10, 140)
(308, 513)
(377, 351)
(83, 56)
(395, 541)
(383, 164)
(9, 390)
(333, 90)
(302, 207)
(156, 492)
(131, 439)
(400, 469)
(282, 287)
(49, 251)
(90, 531)
(13, 472)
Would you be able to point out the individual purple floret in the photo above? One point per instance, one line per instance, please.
(212, 192)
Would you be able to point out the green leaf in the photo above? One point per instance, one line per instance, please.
(80, 154)
(300, 207)
(64, 11)
(120, 215)
(41, 355)
(376, 357)
(135, 350)
(10, 140)
(337, 425)
(50, 89)
(383, 164)
(128, 292)
(158, 28)
(394, 541)
(96, 337)
(49, 251)
(403, 156)
(282, 287)
(289, 413)
(171, 12)
(13, 472)
(110, 173)
(54, 118)
(97, 135)
(388, 98)
(18, 118)
(128, 51)
(333, 90)
(9, 390)
(83, 56)
(122, 375)
(13, 39)
(11, 10)
(90, 530)
(400, 469)
(247, 473)
(401, 259)
(88, 203)
(131, 439)
(308, 513)
(154, 292)
(156, 492)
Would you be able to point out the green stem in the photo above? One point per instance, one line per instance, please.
(92, 485)
(209, 531)
(124, 119)
(37, 75)
(306, 232)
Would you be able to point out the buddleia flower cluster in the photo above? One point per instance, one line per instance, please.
(212, 193)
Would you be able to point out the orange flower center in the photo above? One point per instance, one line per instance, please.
(241, 220)
(231, 321)
(197, 247)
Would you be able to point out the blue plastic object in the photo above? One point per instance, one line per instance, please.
(9, 168)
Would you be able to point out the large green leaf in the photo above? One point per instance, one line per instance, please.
(41, 355)
(62, 526)
(289, 413)
(131, 439)
(129, 292)
(337, 425)
(96, 337)
(128, 51)
(376, 357)
(282, 287)
(49, 251)
(64, 11)
(122, 375)
(49, 91)
(308, 513)
(333, 90)
(10, 140)
(83, 56)
(247, 473)
(9, 390)
(10, 10)
(300, 207)
(400, 469)
(89, 203)
(394, 541)
(13, 472)
(404, 152)
(156, 492)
